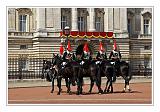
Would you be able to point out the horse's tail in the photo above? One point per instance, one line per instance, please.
(129, 77)
(126, 72)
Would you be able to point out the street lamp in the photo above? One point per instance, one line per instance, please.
(66, 33)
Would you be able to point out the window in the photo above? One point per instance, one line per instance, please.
(146, 26)
(81, 24)
(98, 24)
(129, 26)
(23, 64)
(63, 22)
(147, 47)
(22, 23)
(23, 46)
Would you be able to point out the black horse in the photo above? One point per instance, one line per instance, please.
(49, 72)
(107, 70)
(67, 72)
(124, 71)
(88, 69)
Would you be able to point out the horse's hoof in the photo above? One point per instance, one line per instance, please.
(77, 93)
(70, 93)
(58, 93)
(123, 91)
(129, 90)
(51, 91)
(108, 91)
(89, 91)
(100, 92)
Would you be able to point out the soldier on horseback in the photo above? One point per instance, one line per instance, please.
(86, 55)
(115, 57)
(101, 55)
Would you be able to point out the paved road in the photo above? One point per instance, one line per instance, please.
(41, 83)
(141, 94)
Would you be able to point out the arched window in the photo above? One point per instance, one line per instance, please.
(24, 19)
(147, 23)
(22, 23)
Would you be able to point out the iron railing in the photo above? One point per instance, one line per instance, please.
(19, 68)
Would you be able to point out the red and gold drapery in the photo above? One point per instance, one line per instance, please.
(77, 34)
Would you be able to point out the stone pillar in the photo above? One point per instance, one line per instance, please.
(123, 16)
(74, 19)
(150, 27)
(106, 20)
(110, 19)
(142, 23)
(116, 21)
(11, 19)
(92, 19)
(49, 18)
(41, 23)
(40, 18)
(57, 19)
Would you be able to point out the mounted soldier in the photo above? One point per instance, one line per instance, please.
(67, 55)
(115, 57)
(86, 55)
(101, 55)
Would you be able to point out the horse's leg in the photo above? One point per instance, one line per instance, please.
(67, 83)
(78, 86)
(91, 85)
(98, 85)
(59, 85)
(106, 85)
(42, 76)
(114, 74)
(110, 86)
(52, 85)
(127, 85)
(68, 87)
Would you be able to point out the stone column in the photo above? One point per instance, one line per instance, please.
(40, 18)
(49, 18)
(110, 19)
(116, 21)
(57, 19)
(106, 20)
(41, 23)
(74, 19)
(123, 16)
(150, 27)
(92, 19)
(142, 23)
(11, 19)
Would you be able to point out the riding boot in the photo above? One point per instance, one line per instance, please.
(114, 75)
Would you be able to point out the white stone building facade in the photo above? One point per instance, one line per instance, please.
(35, 32)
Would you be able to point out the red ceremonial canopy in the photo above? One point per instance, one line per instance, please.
(76, 34)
